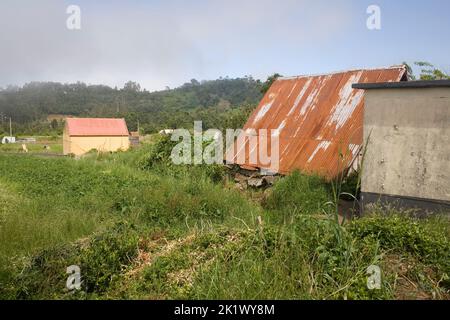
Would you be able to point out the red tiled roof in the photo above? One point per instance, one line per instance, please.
(96, 127)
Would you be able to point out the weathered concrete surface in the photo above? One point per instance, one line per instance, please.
(408, 153)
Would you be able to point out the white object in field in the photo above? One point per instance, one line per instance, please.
(24, 148)
(166, 132)
(7, 139)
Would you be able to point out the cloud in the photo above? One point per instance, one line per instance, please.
(159, 43)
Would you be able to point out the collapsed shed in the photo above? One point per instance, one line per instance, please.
(318, 121)
(82, 135)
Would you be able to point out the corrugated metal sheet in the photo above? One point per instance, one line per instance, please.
(318, 119)
(96, 127)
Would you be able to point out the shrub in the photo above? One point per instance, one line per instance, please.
(158, 154)
(158, 158)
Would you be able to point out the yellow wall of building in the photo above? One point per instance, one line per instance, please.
(82, 145)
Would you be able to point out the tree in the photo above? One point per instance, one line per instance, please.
(132, 86)
(429, 72)
(270, 80)
(195, 82)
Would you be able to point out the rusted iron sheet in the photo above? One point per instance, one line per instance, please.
(318, 119)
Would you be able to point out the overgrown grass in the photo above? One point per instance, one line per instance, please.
(141, 228)
(56, 201)
(427, 240)
(302, 261)
(299, 194)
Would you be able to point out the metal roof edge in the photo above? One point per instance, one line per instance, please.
(403, 84)
(343, 71)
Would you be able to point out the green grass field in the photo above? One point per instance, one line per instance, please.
(141, 228)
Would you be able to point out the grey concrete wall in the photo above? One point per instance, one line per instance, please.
(408, 152)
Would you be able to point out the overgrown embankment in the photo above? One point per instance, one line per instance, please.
(141, 228)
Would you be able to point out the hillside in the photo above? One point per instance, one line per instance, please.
(211, 101)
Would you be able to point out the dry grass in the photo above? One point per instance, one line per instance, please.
(408, 283)
(149, 250)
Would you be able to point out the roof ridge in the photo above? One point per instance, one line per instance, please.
(402, 66)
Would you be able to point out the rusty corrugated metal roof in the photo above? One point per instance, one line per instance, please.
(318, 120)
(96, 127)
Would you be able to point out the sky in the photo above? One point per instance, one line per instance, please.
(167, 43)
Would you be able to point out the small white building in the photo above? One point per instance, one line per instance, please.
(7, 140)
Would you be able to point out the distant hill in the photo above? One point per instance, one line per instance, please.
(38, 103)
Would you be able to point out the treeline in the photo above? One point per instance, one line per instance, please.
(218, 103)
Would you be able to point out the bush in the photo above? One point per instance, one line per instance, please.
(159, 154)
(159, 159)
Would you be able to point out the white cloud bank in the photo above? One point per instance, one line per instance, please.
(159, 43)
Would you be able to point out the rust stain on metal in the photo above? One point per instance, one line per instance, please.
(318, 119)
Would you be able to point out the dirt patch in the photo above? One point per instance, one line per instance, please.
(406, 286)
